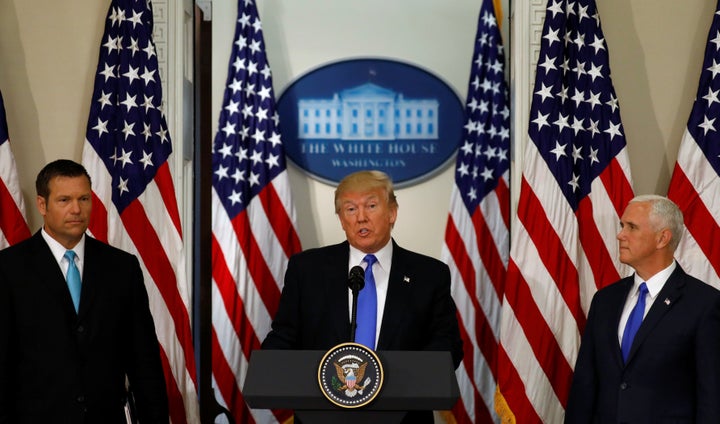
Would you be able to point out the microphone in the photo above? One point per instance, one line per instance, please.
(356, 282)
(356, 279)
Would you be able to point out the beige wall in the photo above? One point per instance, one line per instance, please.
(48, 55)
(656, 52)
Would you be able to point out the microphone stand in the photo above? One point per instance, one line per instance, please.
(356, 282)
(353, 321)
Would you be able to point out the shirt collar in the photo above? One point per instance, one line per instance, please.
(58, 250)
(656, 282)
(383, 256)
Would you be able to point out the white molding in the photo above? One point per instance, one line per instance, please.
(527, 19)
(206, 7)
(172, 34)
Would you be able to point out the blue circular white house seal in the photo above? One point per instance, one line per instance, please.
(371, 113)
(350, 375)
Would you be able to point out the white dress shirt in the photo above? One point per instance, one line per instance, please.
(58, 251)
(654, 285)
(381, 272)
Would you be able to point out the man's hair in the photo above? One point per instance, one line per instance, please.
(363, 181)
(664, 213)
(58, 168)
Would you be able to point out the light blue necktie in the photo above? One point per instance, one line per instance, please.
(73, 279)
(633, 322)
(367, 308)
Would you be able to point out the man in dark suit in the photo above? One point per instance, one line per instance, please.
(415, 310)
(670, 370)
(59, 364)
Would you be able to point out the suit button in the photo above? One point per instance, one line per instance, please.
(80, 329)
(81, 398)
(623, 386)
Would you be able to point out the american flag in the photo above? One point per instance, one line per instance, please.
(13, 227)
(477, 237)
(695, 181)
(126, 152)
(253, 218)
(576, 182)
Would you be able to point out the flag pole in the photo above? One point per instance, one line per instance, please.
(202, 162)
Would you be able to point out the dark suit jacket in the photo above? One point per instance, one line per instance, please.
(673, 369)
(57, 366)
(313, 313)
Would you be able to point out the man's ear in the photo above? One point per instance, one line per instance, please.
(41, 205)
(664, 238)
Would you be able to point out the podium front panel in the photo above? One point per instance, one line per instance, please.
(413, 380)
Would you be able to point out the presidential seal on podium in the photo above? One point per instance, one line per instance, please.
(350, 375)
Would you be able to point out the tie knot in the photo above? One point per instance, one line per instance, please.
(643, 289)
(70, 255)
(370, 260)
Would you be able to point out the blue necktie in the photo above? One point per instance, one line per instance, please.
(633, 322)
(367, 308)
(73, 279)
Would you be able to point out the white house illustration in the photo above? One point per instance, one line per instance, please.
(368, 112)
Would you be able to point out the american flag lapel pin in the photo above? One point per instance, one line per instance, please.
(667, 301)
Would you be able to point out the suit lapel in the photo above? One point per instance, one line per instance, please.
(622, 294)
(49, 273)
(92, 269)
(334, 272)
(395, 306)
(671, 292)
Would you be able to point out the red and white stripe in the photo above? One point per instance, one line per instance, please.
(558, 259)
(249, 258)
(13, 227)
(150, 228)
(694, 187)
(476, 250)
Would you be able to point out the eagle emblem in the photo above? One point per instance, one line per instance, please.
(350, 375)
